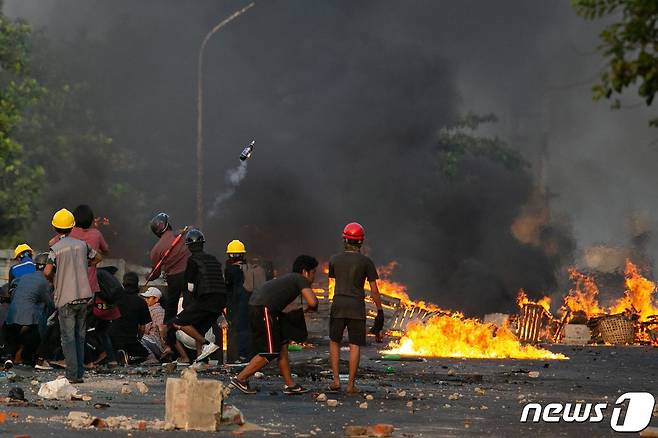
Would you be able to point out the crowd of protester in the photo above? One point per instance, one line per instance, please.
(65, 309)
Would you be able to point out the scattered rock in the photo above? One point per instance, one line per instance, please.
(410, 404)
(16, 393)
(170, 367)
(259, 375)
(232, 415)
(484, 408)
(125, 389)
(533, 374)
(369, 397)
(402, 393)
(162, 425)
(332, 403)
(454, 396)
(356, 431)
(321, 398)
(451, 372)
(86, 398)
(363, 405)
(142, 388)
(480, 391)
(80, 420)
(447, 405)
(58, 389)
(381, 430)
(34, 383)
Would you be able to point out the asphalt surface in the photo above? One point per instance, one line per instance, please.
(425, 409)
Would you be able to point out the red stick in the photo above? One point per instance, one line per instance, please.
(164, 256)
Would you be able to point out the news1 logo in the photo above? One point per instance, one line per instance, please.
(637, 418)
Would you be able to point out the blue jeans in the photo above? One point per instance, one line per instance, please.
(72, 325)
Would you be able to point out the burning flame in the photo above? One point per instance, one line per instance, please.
(584, 295)
(523, 300)
(454, 336)
(639, 295)
(393, 289)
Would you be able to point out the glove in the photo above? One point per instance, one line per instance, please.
(378, 326)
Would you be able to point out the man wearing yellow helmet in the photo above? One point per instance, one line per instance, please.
(67, 269)
(237, 303)
(25, 265)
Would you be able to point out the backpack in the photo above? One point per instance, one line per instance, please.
(111, 288)
(254, 276)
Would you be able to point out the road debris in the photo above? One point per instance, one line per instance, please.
(16, 393)
(378, 430)
(192, 403)
(58, 389)
(232, 415)
(142, 388)
(332, 403)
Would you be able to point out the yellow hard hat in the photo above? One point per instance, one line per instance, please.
(20, 249)
(235, 247)
(63, 219)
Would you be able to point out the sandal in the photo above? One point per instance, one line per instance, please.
(333, 389)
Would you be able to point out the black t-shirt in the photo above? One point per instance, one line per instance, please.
(351, 270)
(278, 293)
(134, 312)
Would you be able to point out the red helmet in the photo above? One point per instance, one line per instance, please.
(354, 231)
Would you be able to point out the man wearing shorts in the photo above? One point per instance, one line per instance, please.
(269, 338)
(351, 269)
(205, 280)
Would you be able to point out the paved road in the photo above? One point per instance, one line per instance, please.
(593, 374)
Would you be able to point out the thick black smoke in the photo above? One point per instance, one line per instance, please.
(344, 100)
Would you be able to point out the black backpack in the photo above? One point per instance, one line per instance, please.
(111, 288)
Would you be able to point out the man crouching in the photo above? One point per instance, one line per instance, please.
(269, 338)
(205, 280)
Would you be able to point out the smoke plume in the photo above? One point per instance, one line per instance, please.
(350, 96)
(233, 179)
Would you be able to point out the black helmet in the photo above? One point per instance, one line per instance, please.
(41, 260)
(160, 223)
(194, 236)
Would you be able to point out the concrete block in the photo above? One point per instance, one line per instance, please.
(193, 404)
(576, 334)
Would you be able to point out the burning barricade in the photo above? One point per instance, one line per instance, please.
(631, 318)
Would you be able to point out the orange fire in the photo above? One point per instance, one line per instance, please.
(397, 290)
(453, 336)
(639, 295)
(522, 300)
(584, 295)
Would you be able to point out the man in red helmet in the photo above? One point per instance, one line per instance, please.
(351, 269)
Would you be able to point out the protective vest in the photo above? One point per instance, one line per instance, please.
(209, 278)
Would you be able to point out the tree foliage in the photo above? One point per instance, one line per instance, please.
(629, 44)
(19, 92)
(460, 141)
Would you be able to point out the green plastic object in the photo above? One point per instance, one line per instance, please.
(389, 370)
(391, 357)
(294, 347)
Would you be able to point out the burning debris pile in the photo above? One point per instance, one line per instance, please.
(456, 336)
(636, 310)
(424, 329)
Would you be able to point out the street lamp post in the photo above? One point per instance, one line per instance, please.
(199, 105)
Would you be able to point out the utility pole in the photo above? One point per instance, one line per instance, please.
(199, 105)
